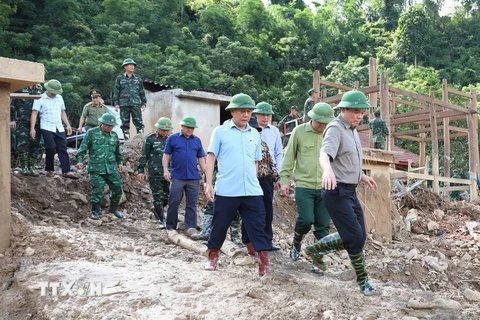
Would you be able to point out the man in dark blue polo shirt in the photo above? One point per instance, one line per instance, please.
(184, 149)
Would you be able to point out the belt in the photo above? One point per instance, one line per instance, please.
(347, 185)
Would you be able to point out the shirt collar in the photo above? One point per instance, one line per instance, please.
(345, 123)
(232, 124)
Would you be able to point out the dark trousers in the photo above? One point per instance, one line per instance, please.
(347, 215)
(253, 219)
(56, 142)
(267, 186)
(311, 211)
(191, 189)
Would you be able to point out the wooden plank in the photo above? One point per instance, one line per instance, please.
(475, 155)
(338, 97)
(460, 93)
(446, 132)
(458, 129)
(410, 138)
(24, 96)
(440, 117)
(472, 120)
(433, 122)
(409, 103)
(424, 119)
(410, 114)
(409, 132)
(409, 94)
(5, 217)
(384, 112)
(334, 85)
(421, 176)
(372, 98)
(450, 106)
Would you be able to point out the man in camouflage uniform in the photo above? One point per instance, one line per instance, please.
(379, 130)
(288, 128)
(92, 111)
(455, 195)
(27, 147)
(104, 164)
(152, 153)
(129, 97)
(309, 103)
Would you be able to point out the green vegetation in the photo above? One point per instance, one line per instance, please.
(237, 46)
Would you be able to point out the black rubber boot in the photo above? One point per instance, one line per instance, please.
(116, 213)
(158, 212)
(95, 211)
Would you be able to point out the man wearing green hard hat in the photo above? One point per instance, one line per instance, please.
(309, 103)
(237, 148)
(152, 154)
(263, 112)
(301, 153)
(51, 109)
(104, 164)
(129, 97)
(185, 151)
(341, 161)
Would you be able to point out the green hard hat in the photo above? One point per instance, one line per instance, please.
(263, 108)
(54, 86)
(441, 168)
(321, 112)
(354, 99)
(455, 171)
(128, 61)
(241, 101)
(377, 112)
(189, 121)
(164, 123)
(311, 91)
(108, 119)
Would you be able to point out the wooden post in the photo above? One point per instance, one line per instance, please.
(476, 161)
(316, 84)
(422, 145)
(472, 122)
(384, 99)
(433, 123)
(446, 134)
(372, 97)
(14, 75)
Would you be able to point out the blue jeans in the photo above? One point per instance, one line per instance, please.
(178, 187)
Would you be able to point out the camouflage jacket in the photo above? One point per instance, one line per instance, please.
(309, 103)
(103, 149)
(21, 109)
(290, 126)
(129, 92)
(379, 129)
(152, 153)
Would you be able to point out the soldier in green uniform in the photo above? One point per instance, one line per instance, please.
(287, 129)
(379, 130)
(309, 103)
(27, 147)
(92, 111)
(442, 174)
(129, 97)
(455, 195)
(152, 154)
(104, 164)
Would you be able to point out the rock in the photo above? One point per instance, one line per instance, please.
(1, 256)
(96, 223)
(79, 197)
(29, 251)
(154, 252)
(257, 294)
(283, 244)
(466, 257)
(438, 214)
(244, 261)
(435, 264)
(432, 303)
(471, 295)
(412, 254)
(118, 264)
(432, 226)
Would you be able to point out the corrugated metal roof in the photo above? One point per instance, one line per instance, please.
(152, 86)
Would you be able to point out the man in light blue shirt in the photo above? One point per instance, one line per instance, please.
(237, 147)
(51, 109)
(271, 136)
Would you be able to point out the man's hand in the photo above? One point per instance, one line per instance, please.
(167, 176)
(140, 177)
(69, 130)
(329, 181)
(32, 133)
(117, 107)
(209, 191)
(120, 168)
(371, 184)
(144, 107)
(285, 190)
(79, 165)
(13, 125)
(79, 130)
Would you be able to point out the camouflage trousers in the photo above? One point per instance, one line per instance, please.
(114, 182)
(160, 189)
(136, 114)
(28, 149)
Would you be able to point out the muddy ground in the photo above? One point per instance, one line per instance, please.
(429, 272)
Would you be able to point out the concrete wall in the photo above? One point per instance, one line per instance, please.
(175, 104)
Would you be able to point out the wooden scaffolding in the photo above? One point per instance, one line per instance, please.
(432, 118)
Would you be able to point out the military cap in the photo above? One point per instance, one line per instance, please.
(263, 108)
(311, 91)
(108, 119)
(164, 123)
(128, 61)
(54, 86)
(189, 121)
(95, 93)
(241, 101)
(293, 108)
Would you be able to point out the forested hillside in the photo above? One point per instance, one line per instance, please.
(267, 51)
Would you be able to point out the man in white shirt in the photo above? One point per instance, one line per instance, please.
(52, 111)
